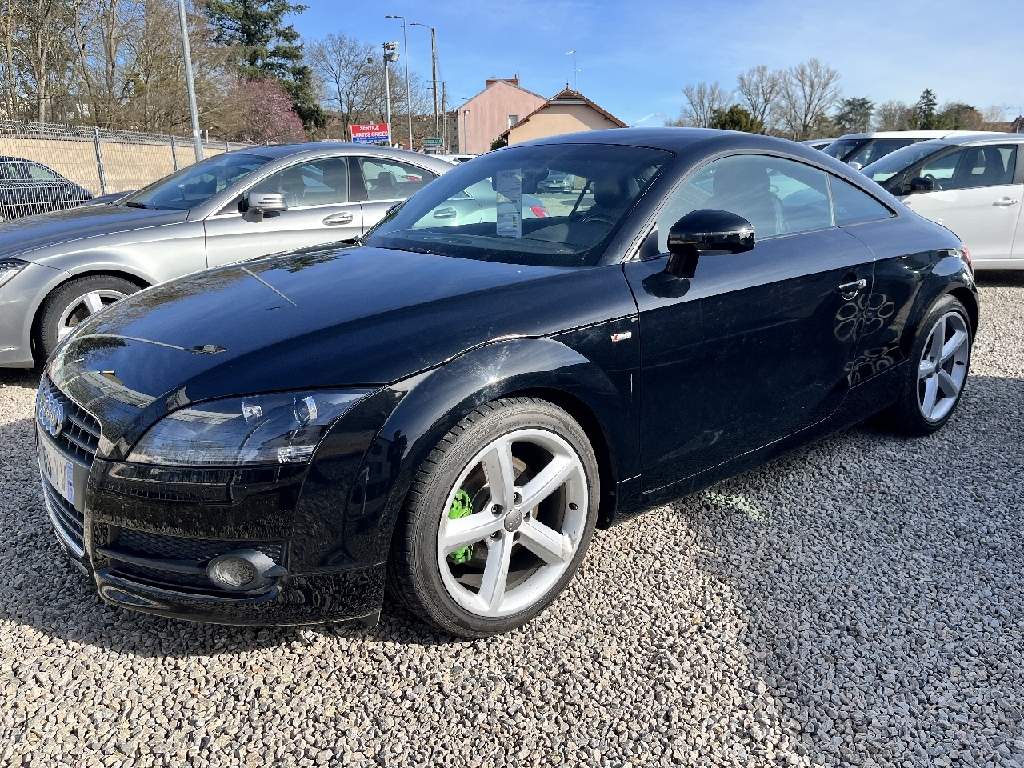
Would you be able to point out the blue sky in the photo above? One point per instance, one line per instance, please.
(635, 57)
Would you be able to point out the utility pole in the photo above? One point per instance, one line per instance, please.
(390, 55)
(193, 110)
(408, 90)
(433, 58)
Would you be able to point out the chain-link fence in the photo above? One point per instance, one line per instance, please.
(46, 166)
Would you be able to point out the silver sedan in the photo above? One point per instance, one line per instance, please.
(56, 269)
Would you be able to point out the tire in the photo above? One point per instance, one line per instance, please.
(72, 303)
(484, 576)
(934, 379)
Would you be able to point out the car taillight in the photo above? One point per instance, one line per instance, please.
(539, 211)
(966, 256)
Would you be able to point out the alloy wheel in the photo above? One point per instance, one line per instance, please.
(943, 366)
(512, 523)
(84, 307)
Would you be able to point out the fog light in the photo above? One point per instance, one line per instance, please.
(243, 570)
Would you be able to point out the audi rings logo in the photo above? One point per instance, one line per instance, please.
(51, 413)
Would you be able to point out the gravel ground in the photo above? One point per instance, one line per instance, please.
(855, 602)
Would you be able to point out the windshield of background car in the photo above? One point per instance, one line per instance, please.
(196, 184)
(875, 149)
(840, 148)
(896, 162)
(499, 208)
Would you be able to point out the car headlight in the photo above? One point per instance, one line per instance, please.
(9, 268)
(282, 428)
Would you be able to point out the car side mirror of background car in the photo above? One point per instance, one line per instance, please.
(855, 165)
(705, 230)
(921, 184)
(256, 204)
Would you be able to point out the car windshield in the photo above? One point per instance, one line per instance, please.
(898, 161)
(840, 148)
(874, 149)
(496, 208)
(196, 184)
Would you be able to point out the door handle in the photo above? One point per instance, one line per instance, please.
(335, 219)
(847, 290)
(1005, 201)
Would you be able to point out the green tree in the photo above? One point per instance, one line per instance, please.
(854, 115)
(735, 118)
(269, 47)
(925, 110)
(959, 117)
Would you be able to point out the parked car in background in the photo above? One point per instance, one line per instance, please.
(456, 158)
(451, 410)
(861, 149)
(28, 188)
(59, 268)
(971, 184)
(477, 204)
(817, 143)
(557, 182)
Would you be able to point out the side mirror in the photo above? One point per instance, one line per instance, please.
(855, 165)
(921, 184)
(265, 202)
(706, 230)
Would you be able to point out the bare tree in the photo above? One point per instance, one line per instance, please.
(894, 116)
(702, 102)
(347, 71)
(759, 91)
(809, 91)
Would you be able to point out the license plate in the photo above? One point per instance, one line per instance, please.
(57, 469)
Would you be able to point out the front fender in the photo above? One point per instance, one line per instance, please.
(431, 403)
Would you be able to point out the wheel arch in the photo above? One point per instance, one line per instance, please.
(970, 301)
(430, 404)
(37, 309)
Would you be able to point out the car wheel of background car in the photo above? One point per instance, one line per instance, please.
(934, 380)
(68, 306)
(497, 520)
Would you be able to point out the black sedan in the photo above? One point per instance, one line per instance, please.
(27, 187)
(449, 411)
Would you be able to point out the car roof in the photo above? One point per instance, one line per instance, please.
(986, 138)
(311, 148)
(914, 134)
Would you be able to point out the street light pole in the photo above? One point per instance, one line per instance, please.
(408, 90)
(390, 55)
(433, 58)
(197, 140)
(465, 131)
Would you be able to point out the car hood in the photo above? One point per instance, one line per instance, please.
(25, 236)
(316, 318)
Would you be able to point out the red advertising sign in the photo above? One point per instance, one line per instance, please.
(371, 133)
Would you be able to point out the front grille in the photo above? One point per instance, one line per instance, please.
(80, 435)
(69, 522)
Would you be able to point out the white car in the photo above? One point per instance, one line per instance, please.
(973, 185)
(861, 149)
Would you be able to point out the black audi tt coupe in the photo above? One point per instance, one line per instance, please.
(449, 408)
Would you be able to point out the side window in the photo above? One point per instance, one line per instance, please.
(853, 206)
(319, 182)
(987, 166)
(391, 180)
(41, 173)
(941, 170)
(12, 171)
(776, 196)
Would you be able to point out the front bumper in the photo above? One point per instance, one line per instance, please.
(145, 534)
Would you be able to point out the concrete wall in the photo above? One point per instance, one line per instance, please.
(126, 166)
(556, 119)
(488, 115)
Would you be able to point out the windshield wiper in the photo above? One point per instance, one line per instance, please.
(133, 204)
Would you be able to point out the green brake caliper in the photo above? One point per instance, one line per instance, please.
(461, 507)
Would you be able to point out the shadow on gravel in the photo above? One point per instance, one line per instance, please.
(881, 585)
(1000, 278)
